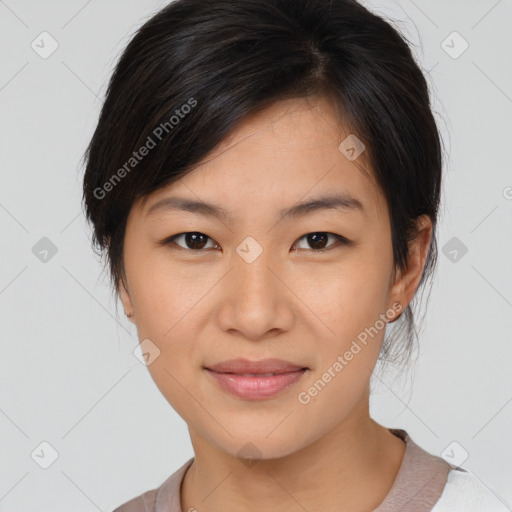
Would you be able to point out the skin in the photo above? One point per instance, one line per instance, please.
(203, 306)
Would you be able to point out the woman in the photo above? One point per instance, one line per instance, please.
(265, 180)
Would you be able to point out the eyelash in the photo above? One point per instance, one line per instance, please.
(340, 241)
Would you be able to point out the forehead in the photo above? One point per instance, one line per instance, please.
(284, 154)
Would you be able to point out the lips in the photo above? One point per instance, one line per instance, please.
(260, 368)
(256, 380)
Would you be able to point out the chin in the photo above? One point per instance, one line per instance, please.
(250, 450)
(261, 443)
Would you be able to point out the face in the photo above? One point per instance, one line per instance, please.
(313, 287)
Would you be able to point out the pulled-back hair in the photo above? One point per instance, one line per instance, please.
(197, 68)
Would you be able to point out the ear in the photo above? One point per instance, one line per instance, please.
(127, 301)
(406, 282)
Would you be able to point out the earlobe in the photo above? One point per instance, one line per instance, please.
(397, 312)
(126, 301)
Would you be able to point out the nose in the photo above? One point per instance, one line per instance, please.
(256, 301)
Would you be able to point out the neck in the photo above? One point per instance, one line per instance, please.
(352, 468)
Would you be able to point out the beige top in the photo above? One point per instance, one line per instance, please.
(418, 485)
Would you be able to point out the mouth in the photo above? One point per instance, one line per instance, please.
(242, 366)
(256, 380)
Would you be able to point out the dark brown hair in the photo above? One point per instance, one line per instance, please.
(197, 68)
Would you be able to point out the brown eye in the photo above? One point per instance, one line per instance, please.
(192, 240)
(317, 241)
(196, 241)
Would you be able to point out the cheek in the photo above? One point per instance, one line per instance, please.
(348, 302)
(346, 298)
(351, 305)
(165, 295)
(332, 394)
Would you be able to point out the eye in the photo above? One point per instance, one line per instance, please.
(318, 239)
(196, 241)
(193, 240)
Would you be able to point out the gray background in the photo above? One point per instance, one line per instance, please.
(68, 374)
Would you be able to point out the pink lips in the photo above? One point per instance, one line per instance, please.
(255, 380)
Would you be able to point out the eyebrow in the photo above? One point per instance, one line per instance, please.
(341, 202)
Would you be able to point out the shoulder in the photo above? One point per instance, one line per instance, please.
(142, 503)
(464, 492)
(165, 497)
